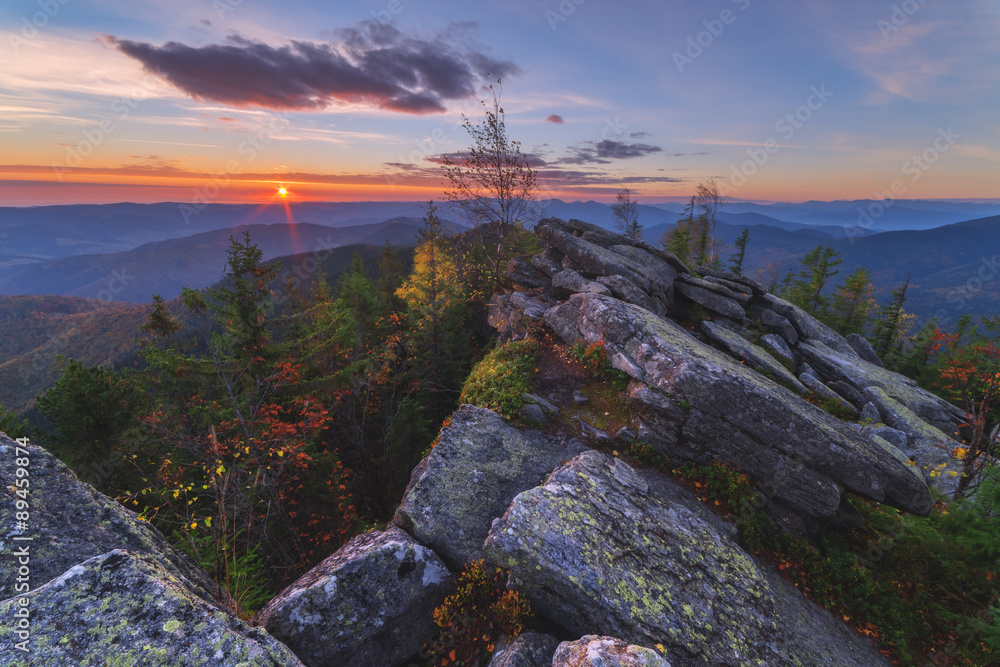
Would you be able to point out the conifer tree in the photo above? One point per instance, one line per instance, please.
(887, 328)
(736, 261)
(816, 271)
(852, 302)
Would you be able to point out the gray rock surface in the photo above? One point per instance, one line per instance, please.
(594, 651)
(774, 321)
(777, 346)
(530, 649)
(479, 464)
(864, 349)
(807, 326)
(370, 603)
(741, 349)
(711, 300)
(590, 259)
(513, 315)
(870, 413)
(928, 446)
(816, 386)
(569, 281)
(70, 522)
(123, 608)
(712, 407)
(525, 275)
(605, 548)
(851, 369)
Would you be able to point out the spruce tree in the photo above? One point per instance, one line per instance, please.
(736, 261)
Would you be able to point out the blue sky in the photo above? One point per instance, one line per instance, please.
(777, 100)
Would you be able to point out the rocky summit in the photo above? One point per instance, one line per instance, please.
(622, 565)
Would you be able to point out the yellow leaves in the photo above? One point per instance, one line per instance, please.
(281, 453)
(208, 521)
(220, 470)
(194, 524)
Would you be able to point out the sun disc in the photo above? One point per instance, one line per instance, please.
(282, 191)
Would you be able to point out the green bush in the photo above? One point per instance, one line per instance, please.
(500, 381)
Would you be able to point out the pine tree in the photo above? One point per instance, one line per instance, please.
(678, 239)
(852, 302)
(816, 270)
(887, 328)
(736, 261)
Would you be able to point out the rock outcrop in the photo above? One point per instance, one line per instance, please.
(704, 405)
(69, 522)
(477, 467)
(107, 588)
(370, 603)
(605, 548)
(128, 608)
(802, 459)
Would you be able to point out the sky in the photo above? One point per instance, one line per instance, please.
(228, 100)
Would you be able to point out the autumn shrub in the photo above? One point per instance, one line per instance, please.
(594, 358)
(476, 616)
(500, 381)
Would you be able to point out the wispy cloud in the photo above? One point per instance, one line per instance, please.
(381, 68)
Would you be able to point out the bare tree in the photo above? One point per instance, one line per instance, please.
(709, 201)
(492, 186)
(626, 212)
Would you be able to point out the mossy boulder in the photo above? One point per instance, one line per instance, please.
(601, 547)
(477, 467)
(70, 522)
(370, 603)
(123, 609)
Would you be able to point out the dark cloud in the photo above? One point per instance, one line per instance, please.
(639, 135)
(375, 65)
(606, 151)
(555, 118)
(534, 160)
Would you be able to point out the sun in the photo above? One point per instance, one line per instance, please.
(282, 191)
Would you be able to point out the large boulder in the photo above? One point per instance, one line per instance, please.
(370, 603)
(477, 467)
(835, 365)
(604, 548)
(69, 522)
(530, 649)
(707, 406)
(123, 608)
(929, 447)
(594, 651)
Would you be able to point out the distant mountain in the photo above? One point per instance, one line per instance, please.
(35, 330)
(953, 268)
(197, 261)
(869, 214)
(39, 233)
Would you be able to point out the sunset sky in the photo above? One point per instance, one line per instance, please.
(227, 100)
